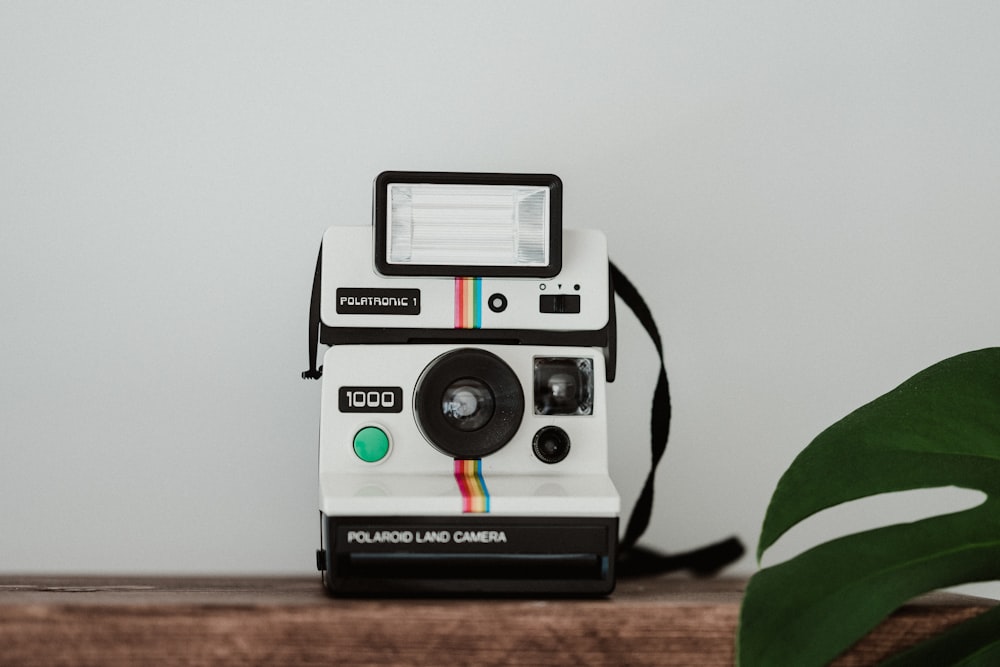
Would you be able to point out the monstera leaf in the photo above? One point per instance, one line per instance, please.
(939, 428)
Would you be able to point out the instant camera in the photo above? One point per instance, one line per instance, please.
(463, 439)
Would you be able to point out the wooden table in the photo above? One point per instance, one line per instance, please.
(201, 621)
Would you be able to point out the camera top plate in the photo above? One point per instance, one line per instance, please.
(356, 296)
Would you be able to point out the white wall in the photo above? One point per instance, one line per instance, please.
(807, 195)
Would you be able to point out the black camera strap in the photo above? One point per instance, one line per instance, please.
(632, 559)
(315, 372)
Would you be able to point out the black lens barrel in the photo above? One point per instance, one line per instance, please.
(444, 426)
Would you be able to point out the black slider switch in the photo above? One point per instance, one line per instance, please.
(559, 303)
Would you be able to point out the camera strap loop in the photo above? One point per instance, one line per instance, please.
(314, 372)
(633, 560)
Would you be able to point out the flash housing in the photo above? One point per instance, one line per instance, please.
(464, 261)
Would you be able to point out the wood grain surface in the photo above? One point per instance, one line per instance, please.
(208, 621)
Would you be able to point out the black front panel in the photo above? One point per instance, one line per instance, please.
(469, 555)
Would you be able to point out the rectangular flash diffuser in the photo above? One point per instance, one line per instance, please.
(465, 224)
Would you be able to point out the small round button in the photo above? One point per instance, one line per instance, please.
(497, 303)
(371, 444)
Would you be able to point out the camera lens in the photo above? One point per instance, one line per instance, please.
(550, 444)
(468, 403)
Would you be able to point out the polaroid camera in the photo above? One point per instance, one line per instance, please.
(463, 440)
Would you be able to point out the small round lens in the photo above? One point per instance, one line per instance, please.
(551, 444)
(467, 404)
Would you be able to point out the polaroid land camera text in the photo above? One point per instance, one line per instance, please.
(463, 439)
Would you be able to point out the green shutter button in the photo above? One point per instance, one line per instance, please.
(371, 444)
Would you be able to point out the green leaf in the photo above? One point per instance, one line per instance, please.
(974, 642)
(939, 428)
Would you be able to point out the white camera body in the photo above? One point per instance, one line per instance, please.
(416, 479)
(463, 437)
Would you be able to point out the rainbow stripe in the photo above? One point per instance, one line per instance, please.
(468, 303)
(475, 495)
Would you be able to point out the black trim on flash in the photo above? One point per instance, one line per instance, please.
(386, 178)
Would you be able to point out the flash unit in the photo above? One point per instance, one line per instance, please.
(461, 224)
